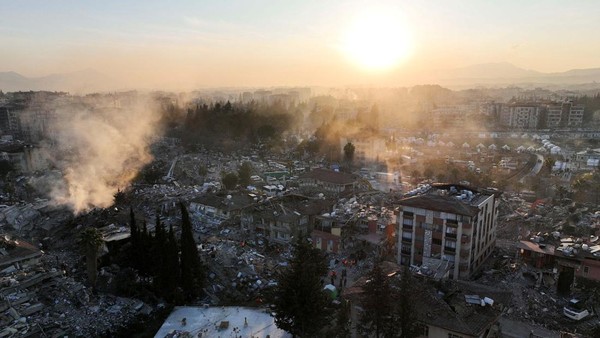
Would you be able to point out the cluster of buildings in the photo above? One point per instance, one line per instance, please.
(553, 115)
(513, 114)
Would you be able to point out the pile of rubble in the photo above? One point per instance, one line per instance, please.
(238, 271)
(42, 299)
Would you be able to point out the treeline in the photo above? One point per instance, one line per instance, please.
(234, 124)
(173, 267)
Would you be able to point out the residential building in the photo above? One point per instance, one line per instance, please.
(281, 219)
(216, 208)
(588, 158)
(540, 256)
(366, 148)
(327, 234)
(564, 114)
(522, 116)
(221, 321)
(449, 116)
(442, 223)
(328, 181)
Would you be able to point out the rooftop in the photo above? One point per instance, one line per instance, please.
(453, 305)
(329, 176)
(12, 250)
(457, 199)
(226, 321)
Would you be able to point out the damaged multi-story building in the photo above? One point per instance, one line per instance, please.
(283, 218)
(447, 225)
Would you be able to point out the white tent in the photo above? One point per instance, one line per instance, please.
(466, 145)
(506, 147)
(492, 147)
(450, 144)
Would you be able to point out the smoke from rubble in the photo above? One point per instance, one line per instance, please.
(97, 151)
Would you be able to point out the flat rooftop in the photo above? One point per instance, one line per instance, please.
(226, 321)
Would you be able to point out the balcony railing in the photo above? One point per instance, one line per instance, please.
(450, 235)
(406, 240)
(449, 249)
(453, 224)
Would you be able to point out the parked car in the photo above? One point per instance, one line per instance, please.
(575, 310)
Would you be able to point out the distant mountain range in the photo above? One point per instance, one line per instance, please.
(83, 81)
(506, 73)
(488, 74)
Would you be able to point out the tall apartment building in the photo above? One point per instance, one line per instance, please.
(448, 224)
(523, 116)
(564, 115)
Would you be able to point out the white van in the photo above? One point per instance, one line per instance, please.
(575, 310)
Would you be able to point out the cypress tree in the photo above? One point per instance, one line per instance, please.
(300, 305)
(192, 274)
(171, 266)
(377, 303)
(135, 240)
(159, 248)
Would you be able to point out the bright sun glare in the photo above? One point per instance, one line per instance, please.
(377, 41)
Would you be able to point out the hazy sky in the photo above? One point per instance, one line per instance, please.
(260, 43)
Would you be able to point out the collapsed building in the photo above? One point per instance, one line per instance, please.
(451, 309)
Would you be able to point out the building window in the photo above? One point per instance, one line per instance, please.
(452, 335)
(586, 270)
(424, 330)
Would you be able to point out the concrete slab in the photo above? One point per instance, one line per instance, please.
(208, 321)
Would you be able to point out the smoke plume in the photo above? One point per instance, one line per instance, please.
(98, 151)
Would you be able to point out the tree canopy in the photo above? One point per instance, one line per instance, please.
(300, 306)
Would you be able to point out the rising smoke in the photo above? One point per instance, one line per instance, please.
(97, 152)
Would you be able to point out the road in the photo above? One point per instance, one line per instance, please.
(539, 164)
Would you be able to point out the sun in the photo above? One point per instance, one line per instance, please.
(377, 41)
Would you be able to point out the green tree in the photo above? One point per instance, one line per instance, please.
(342, 326)
(349, 152)
(192, 271)
(230, 181)
(91, 240)
(405, 312)
(300, 306)
(244, 173)
(171, 267)
(377, 304)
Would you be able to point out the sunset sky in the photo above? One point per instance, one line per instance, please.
(263, 43)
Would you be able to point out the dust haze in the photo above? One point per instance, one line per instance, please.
(97, 150)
